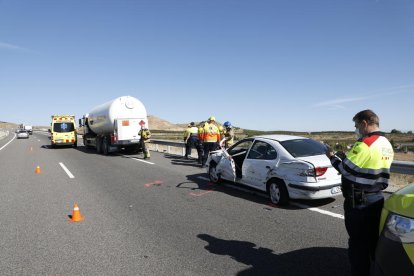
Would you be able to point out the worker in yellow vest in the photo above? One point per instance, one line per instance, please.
(191, 140)
(228, 135)
(144, 135)
(365, 173)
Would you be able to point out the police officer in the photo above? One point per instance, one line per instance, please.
(144, 135)
(228, 134)
(365, 173)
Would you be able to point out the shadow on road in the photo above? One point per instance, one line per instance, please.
(199, 182)
(180, 160)
(263, 261)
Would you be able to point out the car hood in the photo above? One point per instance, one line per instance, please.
(317, 160)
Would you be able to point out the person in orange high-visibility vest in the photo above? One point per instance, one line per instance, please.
(210, 138)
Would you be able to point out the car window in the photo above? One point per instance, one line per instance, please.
(63, 127)
(304, 147)
(242, 146)
(263, 151)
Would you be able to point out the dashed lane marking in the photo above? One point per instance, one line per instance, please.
(66, 170)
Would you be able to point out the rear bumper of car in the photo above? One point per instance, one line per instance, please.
(391, 258)
(306, 191)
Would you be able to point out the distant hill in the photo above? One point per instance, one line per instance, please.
(8, 125)
(156, 123)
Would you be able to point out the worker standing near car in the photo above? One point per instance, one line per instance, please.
(144, 135)
(191, 140)
(210, 138)
(228, 134)
(365, 173)
(187, 132)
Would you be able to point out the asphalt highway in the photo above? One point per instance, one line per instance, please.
(156, 217)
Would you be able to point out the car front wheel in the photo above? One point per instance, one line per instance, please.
(213, 174)
(278, 193)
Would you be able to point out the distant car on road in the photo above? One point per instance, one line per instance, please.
(284, 166)
(395, 248)
(21, 133)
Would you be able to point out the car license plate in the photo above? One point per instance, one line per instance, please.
(335, 190)
(59, 141)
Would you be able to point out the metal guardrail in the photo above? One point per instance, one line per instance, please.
(403, 167)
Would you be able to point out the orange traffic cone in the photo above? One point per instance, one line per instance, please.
(37, 170)
(76, 215)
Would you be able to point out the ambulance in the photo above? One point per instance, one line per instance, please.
(62, 131)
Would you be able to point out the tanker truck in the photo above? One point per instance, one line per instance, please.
(114, 126)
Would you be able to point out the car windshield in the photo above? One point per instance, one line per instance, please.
(63, 127)
(22, 131)
(303, 147)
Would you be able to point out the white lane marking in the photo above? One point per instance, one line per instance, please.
(8, 142)
(66, 170)
(303, 206)
(136, 159)
(328, 213)
(143, 161)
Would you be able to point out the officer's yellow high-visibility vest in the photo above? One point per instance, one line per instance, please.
(367, 164)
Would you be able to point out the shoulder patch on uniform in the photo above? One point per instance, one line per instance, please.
(370, 140)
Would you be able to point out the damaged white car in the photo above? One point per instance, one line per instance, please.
(284, 166)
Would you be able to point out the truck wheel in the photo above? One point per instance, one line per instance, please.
(105, 146)
(98, 145)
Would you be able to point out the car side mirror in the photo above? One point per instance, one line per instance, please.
(48, 130)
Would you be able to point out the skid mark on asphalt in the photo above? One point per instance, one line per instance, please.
(202, 193)
(155, 183)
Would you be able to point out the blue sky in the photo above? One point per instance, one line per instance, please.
(300, 65)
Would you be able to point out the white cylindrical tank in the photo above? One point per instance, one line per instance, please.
(101, 118)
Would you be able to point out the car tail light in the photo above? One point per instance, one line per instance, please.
(320, 171)
(114, 138)
(317, 172)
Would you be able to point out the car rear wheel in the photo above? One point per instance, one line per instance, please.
(278, 193)
(213, 175)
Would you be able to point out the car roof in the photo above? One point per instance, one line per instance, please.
(280, 137)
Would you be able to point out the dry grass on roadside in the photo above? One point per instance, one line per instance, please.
(401, 180)
(400, 156)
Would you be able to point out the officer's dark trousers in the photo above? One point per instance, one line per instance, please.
(362, 225)
(208, 146)
(193, 141)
